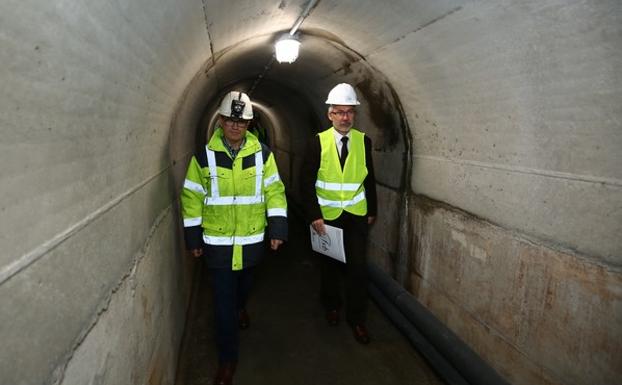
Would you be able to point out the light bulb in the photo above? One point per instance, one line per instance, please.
(287, 50)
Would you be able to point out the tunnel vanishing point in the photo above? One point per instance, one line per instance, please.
(497, 130)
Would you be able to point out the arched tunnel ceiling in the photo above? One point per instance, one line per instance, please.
(336, 38)
(296, 94)
(364, 29)
(323, 62)
(334, 49)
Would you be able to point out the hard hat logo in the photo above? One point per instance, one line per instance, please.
(236, 105)
(237, 108)
(342, 94)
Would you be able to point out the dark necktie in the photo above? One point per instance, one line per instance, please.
(344, 151)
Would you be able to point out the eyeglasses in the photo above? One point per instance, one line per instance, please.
(237, 123)
(342, 114)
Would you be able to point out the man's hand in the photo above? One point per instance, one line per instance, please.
(371, 220)
(318, 226)
(196, 252)
(275, 243)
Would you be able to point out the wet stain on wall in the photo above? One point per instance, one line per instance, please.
(383, 111)
(535, 298)
(383, 105)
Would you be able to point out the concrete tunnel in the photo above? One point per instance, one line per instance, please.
(497, 133)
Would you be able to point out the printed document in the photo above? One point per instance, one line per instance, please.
(330, 244)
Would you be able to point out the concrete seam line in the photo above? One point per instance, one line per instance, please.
(209, 36)
(522, 235)
(29, 258)
(436, 19)
(527, 170)
(59, 373)
(373, 51)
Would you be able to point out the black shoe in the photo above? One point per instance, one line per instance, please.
(332, 316)
(244, 319)
(360, 334)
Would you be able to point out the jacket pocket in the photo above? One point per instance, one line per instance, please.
(256, 220)
(218, 219)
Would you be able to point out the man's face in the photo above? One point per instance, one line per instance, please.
(233, 129)
(342, 118)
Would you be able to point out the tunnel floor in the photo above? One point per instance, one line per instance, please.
(289, 341)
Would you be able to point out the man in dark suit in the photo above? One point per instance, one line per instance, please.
(339, 189)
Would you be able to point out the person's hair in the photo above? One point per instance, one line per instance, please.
(331, 108)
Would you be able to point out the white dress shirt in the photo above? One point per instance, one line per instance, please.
(338, 141)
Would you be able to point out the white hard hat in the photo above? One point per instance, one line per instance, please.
(342, 94)
(236, 105)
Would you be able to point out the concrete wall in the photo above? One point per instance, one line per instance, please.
(497, 131)
(516, 107)
(515, 115)
(541, 316)
(92, 287)
(136, 336)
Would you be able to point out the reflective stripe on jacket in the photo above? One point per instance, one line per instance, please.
(230, 198)
(338, 189)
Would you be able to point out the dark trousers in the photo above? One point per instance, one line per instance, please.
(352, 275)
(231, 290)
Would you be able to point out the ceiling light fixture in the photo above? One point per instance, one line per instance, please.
(286, 49)
(291, 36)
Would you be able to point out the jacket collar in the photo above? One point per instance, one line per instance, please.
(251, 146)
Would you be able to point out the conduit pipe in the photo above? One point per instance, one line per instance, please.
(436, 343)
(303, 16)
(439, 364)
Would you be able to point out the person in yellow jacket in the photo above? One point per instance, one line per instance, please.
(231, 193)
(338, 188)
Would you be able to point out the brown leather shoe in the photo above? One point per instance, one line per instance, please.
(244, 320)
(360, 334)
(224, 375)
(332, 316)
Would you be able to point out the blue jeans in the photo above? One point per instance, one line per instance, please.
(231, 290)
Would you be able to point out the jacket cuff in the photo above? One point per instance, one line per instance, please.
(277, 228)
(194, 237)
(314, 212)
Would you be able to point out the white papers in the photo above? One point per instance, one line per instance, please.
(330, 244)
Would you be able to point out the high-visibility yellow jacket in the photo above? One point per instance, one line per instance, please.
(231, 198)
(338, 189)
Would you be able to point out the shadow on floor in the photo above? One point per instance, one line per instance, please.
(289, 341)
